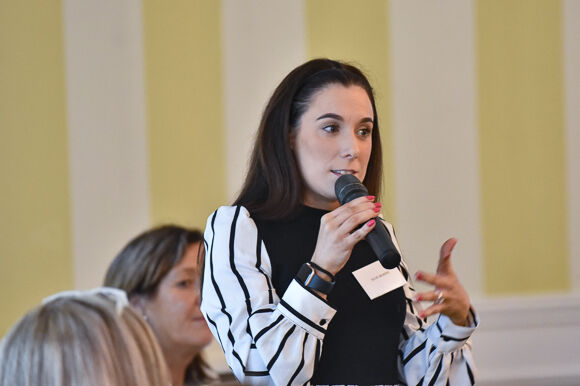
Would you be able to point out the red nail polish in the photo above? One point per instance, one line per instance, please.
(377, 209)
(371, 223)
(419, 298)
(370, 198)
(422, 315)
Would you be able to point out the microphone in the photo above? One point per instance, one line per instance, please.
(347, 188)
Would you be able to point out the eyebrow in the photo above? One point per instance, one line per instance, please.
(188, 270)
(339, 118)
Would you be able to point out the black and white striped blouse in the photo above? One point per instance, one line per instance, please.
(270, 340)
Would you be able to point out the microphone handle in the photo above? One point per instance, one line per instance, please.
(381, 243)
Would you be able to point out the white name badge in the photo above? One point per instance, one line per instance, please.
(376, 280)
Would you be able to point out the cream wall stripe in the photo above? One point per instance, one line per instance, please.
(184, 109)
(435, 134)
(107, 147)
(571, 14)
(522, 146)
(262, 42)
(35, 238)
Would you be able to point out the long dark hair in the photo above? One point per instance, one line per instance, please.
(141, 265)
(273, 187)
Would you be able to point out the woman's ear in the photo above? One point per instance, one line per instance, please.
(138, 302)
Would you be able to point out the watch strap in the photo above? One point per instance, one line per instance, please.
(319, 268)
(308, 277)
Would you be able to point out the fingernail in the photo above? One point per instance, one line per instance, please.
(418, 276)
(371, 198)
(418, 298)
(371, 223)
(422, 315)
(377, 209)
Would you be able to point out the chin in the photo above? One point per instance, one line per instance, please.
(202, 341)
(200, 333)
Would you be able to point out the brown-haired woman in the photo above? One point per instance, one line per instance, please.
(159, 270)
(278, 278)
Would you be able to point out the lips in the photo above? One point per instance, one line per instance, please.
(341, 172)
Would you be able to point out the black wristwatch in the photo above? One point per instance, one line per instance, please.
(307, 276)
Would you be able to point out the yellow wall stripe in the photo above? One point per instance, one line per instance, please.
(347, 30)
(522, 146)
(184, 106)
(35, 241)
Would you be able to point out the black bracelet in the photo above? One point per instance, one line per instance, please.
(318, 267)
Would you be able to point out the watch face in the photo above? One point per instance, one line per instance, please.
(303, 273)
(308, 277)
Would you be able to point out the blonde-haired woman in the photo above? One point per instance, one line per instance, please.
(82, 338)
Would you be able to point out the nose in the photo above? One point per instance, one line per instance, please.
(197, 294)
(350, 145)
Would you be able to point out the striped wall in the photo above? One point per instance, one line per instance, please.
(117, 115)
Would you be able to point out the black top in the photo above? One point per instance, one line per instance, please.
(361, 342)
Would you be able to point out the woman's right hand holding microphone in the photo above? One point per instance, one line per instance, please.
(338, 233)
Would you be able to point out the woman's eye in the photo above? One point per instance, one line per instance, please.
(184, 283)
(364, 132)
(330, 128)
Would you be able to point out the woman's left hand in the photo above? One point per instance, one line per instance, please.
(449, 297)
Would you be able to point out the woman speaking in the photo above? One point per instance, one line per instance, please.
(292, 290)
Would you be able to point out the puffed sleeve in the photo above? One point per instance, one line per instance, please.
(266, 340)
(435, 354)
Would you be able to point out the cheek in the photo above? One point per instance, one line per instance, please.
(364, 159)
(314, 153)
(367, 152)
(304, 158)
(186, 303)
(170, 304)
(302, 149)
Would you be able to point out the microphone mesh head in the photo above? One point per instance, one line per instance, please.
(347, 187)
